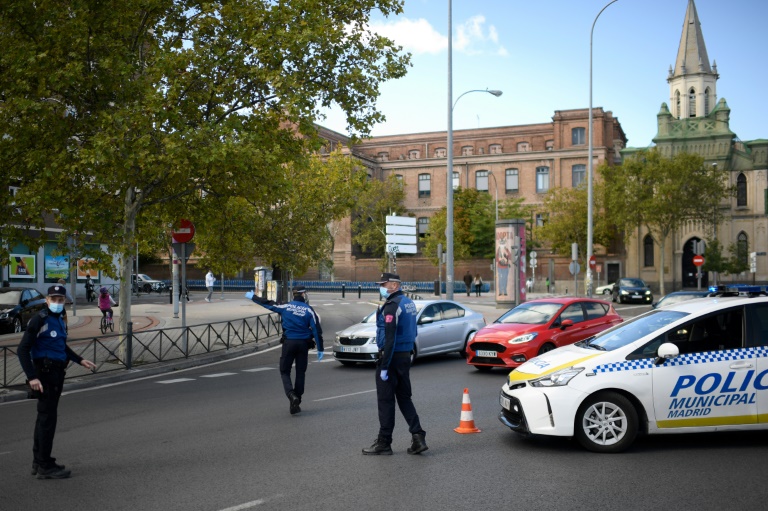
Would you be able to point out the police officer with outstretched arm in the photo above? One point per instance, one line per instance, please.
(44, 355)
(395, 335)
(301, 331)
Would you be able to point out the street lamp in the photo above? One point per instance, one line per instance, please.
(496, 186)
(590, 200)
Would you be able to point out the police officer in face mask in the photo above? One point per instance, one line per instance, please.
(44, 355)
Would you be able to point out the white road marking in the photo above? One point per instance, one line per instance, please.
(177, 380)
(327, 304)
(251, 504)
(345, 395)
(217, 375)
(257, 369)
(6, 452)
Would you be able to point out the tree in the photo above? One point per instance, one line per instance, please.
(369, 215)
(114, 111)
(661, 194)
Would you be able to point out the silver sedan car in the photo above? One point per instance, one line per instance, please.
(443, 326)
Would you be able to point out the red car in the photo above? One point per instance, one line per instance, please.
(538, 326)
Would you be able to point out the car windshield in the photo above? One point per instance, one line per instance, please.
(9, 297)
(632, 330)
(371, 318)
(530, 313)
(632, 283)
(145, 277)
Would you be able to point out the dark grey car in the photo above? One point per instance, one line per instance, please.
(17, 306)
(631, 290)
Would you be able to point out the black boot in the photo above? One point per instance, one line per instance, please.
(418, 444)
(295, 401)
(380, 446)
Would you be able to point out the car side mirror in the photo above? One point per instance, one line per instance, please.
(566, 323)
(666, 351)
(24, 302)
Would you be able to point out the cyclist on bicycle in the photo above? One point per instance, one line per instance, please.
(106, 302)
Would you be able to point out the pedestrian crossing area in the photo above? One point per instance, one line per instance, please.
(216, 375)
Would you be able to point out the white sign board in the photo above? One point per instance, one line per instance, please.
(402, 249)
(401, 229)
(401, 220)
(396, 239)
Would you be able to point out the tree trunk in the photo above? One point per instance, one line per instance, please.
(662, 247)
(126, 258)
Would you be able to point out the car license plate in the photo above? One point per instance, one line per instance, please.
(486, 353)
(504, 402)
(350, 349)
(635, 296)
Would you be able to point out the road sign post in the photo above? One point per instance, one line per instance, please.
(400, 237)
(183, 234)
(698, 261)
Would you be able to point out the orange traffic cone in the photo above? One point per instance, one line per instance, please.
(467, 423)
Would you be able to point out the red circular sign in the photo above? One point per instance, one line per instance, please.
(184, 232)
(592, 262)
(698, 260)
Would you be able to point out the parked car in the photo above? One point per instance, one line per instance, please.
(679, 296)
(442, 326)
(147, 284)
(538, 326)
(17, 306)
(631, 290)
(604, 290)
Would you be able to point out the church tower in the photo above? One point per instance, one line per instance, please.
(692, 83)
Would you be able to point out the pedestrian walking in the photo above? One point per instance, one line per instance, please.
(44, 355)
(301, 332)
(90, 287)
(546, 282)
(468, 282)
(395, 336)
(478, 283)
(210, 280)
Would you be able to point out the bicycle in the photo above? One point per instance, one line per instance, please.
(107, 323)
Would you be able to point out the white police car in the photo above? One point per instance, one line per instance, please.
(701, 365)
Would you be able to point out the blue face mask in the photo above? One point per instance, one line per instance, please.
(56, 308)
(384, 292)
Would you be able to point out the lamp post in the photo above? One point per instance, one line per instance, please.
(590, 200)
(496, 186)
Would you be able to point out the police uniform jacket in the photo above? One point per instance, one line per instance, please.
(298, 320)
(45, 337)
(395, 326)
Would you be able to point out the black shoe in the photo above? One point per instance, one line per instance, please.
(36, 467)
(295, 401)
(380, 446)
(418, 445)
(54, 472)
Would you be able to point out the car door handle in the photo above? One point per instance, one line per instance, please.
(741, 365)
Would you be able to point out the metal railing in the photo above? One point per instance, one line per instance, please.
(115, 352)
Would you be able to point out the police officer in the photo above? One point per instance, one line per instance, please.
(301, 331)
(395, 335)
(44, 355)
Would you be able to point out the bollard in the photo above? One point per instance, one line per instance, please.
(343, 290)
(129, 346)
(359, 291)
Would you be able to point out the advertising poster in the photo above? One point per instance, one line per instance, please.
(56, 267)
(83, 270)
(510, 273)
(22, 266)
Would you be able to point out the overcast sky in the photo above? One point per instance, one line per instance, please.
(537, 53)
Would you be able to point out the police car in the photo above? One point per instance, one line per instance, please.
(697, 366)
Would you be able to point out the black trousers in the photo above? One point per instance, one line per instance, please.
(298, 351)
(396, 388)
(52, 379)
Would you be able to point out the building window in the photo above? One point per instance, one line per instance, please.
(692, 102)
(383, 156)
(481, 180)
(549, 145)
(741, 190)
(648, 250)
(494, 149)
(742, 248)
(579, 175)
(414, 154)
(578, 136)
(511, 180)
(425, 185)
(706, 101)
(678, 113)
(423, 226)
(542, 179)
(539, 219)
(399, 177)
(455, 180)
(440, 152)
(523, 147)
(467, 150)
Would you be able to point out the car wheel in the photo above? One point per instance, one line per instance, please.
(147, 288)
(463, 350)
(347, 363)
(621, 299)
(606, 291)
(606, 422)
(16, 325)
(484, 369)
(546, 347)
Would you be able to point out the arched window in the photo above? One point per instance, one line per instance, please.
(467, 150)
(741, 190)
(549, 145)
(425, 185)
(414, 154)
(399, 177)
(481, 180)
(648, 250)
(523, 147)
(579, 175)
(678, 113)
(542, 179)
(707, 93)
(692, 102)
(511, 180)
(383, 156)
(494, 149)
(742, 248)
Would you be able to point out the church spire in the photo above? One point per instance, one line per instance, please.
(692, 53)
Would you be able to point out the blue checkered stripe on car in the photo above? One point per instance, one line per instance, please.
(687, 359)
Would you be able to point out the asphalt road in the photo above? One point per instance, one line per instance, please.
(220, 437)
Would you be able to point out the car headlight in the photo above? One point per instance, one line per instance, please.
(3, 315)
(624, 292)
(648, 292)
(523, 338)
(338, 339)
(371, 340)
(471, 336)
(558, 378)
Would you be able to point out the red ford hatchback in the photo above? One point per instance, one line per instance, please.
(538, 326)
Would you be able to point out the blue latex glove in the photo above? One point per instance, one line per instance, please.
(249, 295)
(384, 376)
(320, 355)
